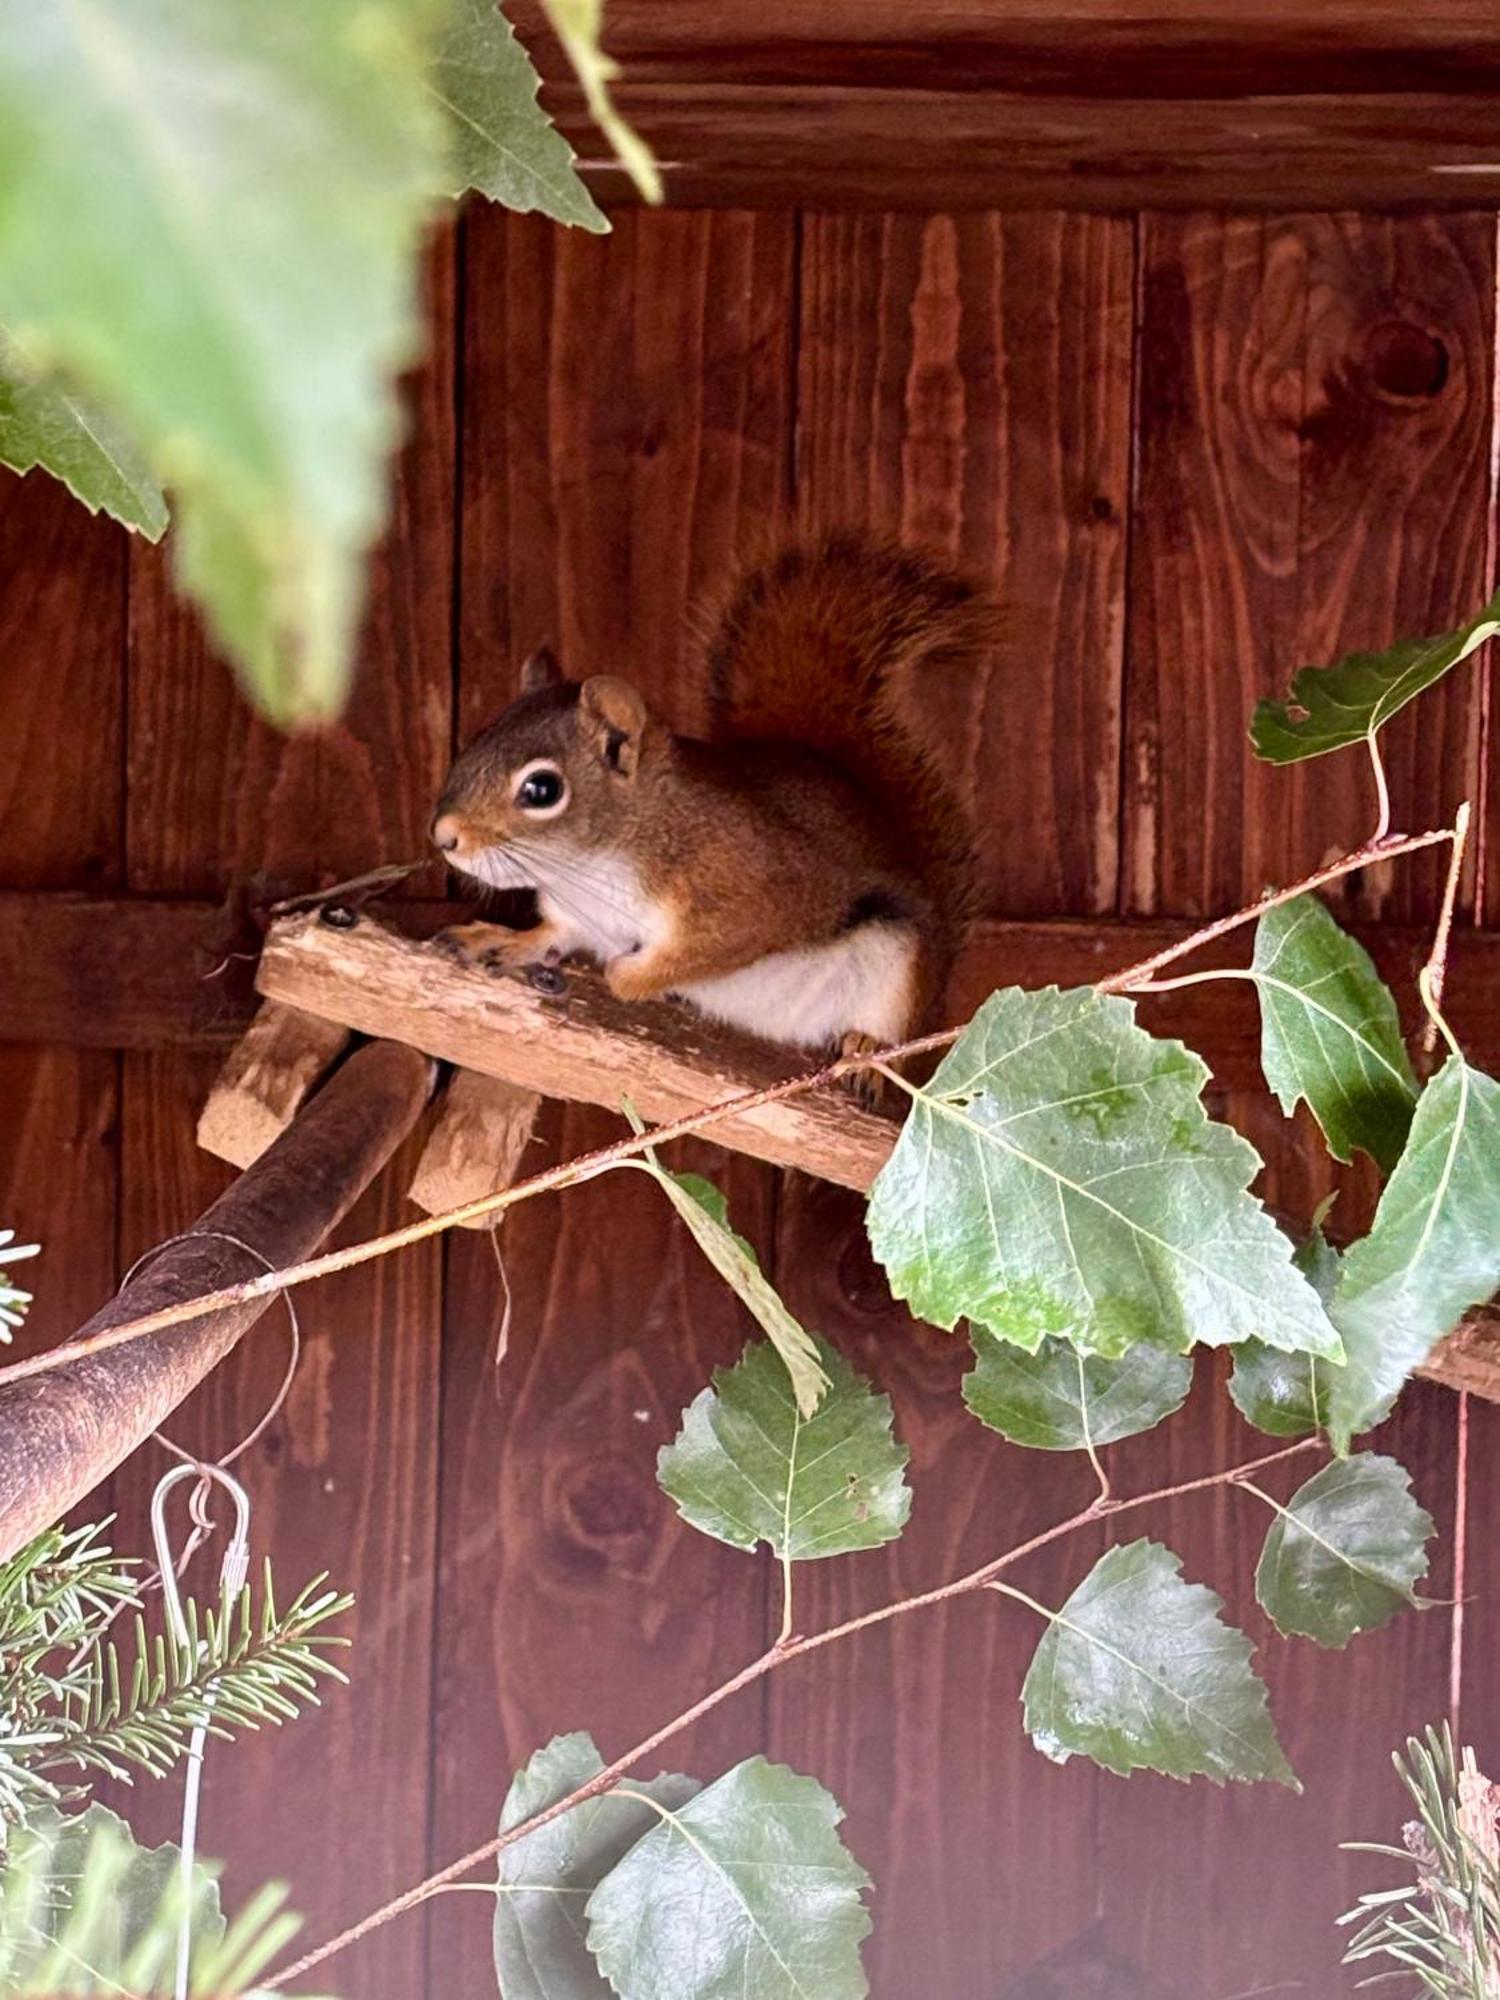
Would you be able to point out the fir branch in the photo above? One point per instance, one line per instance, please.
(69, 1706)
(13, 1301)
(1444, 1928)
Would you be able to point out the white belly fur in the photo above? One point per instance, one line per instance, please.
(858, 984)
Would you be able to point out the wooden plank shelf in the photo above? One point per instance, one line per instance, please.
(1085, 104)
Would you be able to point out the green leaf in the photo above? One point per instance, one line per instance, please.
(1345, 1553)
(42, 424)
(747, 1466)
(545, 1878)
(1286, 1395)
(85, 1910)
(1139, 1672)
(1059, 1176)
(240, 191)
(577, 25)
(1060, 1400)
(503, 143)
(746, 1890)
(706, 1214)
(1330, 707)
(1433, 1252)
(1330, 1032)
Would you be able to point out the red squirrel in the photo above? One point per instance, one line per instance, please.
(806, 873)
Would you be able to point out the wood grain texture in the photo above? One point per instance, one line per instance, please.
(982, 1853)
(1314, 423)
(65, 1431)
(344, 1480)
(1314, 444)
(144, 972)
(626, 439)
(585, 1044)
(964, 384)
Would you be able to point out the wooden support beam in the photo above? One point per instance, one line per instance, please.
(134, 973)
(265, 1082)
(63, 1431)
(476, 1146)
(584, 1044)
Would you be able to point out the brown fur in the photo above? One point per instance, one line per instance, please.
(812, 811)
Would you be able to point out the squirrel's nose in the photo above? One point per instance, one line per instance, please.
(445, 832)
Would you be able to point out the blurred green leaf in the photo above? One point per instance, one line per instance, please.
(240, 191)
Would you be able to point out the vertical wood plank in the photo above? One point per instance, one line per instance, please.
(62, 655)
(626, 440)
(345, 1479)
(965, 383)
(1314, 423)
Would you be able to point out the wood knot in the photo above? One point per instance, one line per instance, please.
(607, 1502)
(1402, 362)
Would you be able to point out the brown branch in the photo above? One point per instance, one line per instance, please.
(776, 1656)
(570, 1172)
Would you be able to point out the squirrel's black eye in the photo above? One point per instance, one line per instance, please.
(540, 790)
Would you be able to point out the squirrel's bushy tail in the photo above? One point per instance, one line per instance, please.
(828, 646)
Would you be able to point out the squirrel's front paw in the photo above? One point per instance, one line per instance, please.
(867, 1087)
(489, 945)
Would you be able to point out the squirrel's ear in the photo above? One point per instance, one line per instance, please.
(540, 670)
(615, 715)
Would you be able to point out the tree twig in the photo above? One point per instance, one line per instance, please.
(1436, 969)
(570, 1172)
(784, 1649)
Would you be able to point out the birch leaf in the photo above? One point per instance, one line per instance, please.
(747, 1466)
(706, 1214)
(1330, 1032)
(1286, 1395)
(1061, 1400)
(545, 1879)
(747, 1889)
(1059, 1177)
(1346, 1552)
(1328, 708)
(503, 143)
(43, 424)
(1138, 1672)
(1432, 1253)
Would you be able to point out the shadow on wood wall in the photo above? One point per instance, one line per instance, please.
(1194, 452)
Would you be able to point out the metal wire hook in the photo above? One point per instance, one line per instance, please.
(232, 1574)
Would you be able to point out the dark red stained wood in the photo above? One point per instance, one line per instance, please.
(627, 438)
(965, 384)
(346, 1480)
(982, 1853)
(215, 794)
(1292, 505)
(1314, 444)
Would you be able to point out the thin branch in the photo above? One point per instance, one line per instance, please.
(1437, 964)
(570, 1172)
(1382, 789)
(776, 1656)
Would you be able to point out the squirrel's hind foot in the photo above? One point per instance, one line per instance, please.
(868, 1088)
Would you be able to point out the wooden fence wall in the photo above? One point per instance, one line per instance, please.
(1194, 452)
